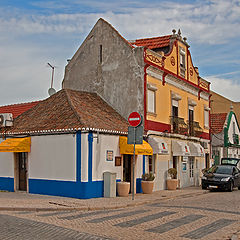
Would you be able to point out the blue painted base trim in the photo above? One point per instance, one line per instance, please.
(7, 184)
(83, 190)
(138, 185)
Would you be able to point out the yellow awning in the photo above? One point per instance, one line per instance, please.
(16, 145)
(140, 149)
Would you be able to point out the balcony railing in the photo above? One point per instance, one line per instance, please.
(194, 129)
(178, 125)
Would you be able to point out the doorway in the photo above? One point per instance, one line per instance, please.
(21, 171)
(127, 173)
(175, 162)
(207, 162)
(191, 170)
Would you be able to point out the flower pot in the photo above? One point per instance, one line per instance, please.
(147, 186)
(172, 184)
(123, 189)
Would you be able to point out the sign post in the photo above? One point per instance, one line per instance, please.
(134, 120)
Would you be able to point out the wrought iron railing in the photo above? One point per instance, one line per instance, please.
(194, 129)
(178, 125)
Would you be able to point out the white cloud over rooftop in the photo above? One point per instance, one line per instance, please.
(29, 39)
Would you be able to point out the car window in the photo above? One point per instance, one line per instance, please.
(235, 170)
(222, 170)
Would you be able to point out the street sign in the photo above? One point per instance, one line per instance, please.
(135, 135)
(134, 119)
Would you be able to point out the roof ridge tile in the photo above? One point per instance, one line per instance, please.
(72, 105)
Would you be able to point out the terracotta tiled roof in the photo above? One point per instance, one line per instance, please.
(70, 109)
(152, 43)
(217, 122)
(17, 109)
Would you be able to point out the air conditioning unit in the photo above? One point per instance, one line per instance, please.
(6, 119)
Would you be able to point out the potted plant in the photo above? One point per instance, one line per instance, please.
(172, 183)
(123, 188)
(147, 182)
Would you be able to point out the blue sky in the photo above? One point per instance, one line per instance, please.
(33, 33)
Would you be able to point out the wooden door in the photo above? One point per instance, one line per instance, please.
(22, 167)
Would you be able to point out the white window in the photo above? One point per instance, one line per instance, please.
(182, 58)
(151, 101)
(206, 116)
(175, 99)
(151, 98)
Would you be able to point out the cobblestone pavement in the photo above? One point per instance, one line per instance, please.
(22, 200)
(211, 216)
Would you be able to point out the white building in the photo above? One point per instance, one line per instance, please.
(63, 145)
(225, 136)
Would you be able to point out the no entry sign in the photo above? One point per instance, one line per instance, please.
(134, 119)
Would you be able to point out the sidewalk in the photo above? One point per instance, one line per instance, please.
(21, 201)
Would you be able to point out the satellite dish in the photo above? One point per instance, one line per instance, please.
(51, 91)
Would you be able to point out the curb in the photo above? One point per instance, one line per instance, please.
(95, 208)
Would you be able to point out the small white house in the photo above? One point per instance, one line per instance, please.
(225, 136)
(64, 144)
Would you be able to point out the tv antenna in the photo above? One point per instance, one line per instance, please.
(51, 90)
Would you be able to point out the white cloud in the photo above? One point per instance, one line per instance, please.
(29, 40)
(212, 21)
(225, 87)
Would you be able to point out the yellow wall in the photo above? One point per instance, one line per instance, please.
(164, 104)
(168, 65)
(192, 75)
(190, 72)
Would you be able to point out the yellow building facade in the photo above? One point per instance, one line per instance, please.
(176, 110)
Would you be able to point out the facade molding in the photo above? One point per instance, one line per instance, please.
(177, 136)
(177, 83)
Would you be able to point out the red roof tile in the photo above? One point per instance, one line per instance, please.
(18, 109)
(70, 109)
(152, 43)
(217, 122)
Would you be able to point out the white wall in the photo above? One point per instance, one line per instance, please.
(84, 157)
(230, 130)
(162, 162)
(139, 166)
(6, 164)
(100, 164)
(53, 157)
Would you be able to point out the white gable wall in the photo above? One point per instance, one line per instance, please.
(230, 130)
(84, 157)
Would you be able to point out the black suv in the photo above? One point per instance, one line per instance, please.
(224, 176)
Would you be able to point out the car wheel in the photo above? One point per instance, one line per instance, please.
(204, 187)
(230, 187)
